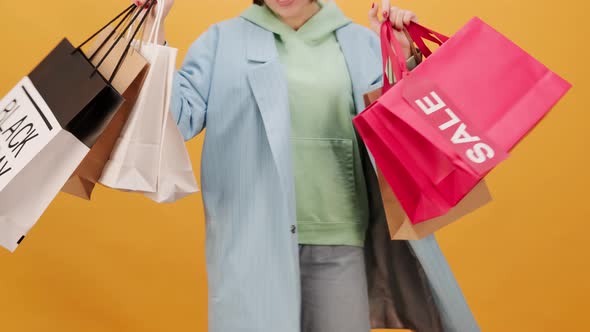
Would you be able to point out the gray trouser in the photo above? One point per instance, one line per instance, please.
(334, 289)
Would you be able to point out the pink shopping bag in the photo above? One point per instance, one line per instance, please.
(445, 125)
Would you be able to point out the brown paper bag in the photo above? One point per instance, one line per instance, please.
(400, 226)
(128, 82)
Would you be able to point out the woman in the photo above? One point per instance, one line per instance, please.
(296, 237)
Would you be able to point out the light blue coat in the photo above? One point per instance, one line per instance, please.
(233, 84)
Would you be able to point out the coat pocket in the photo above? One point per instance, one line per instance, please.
(325, 181)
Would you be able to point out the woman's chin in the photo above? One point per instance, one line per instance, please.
(287, 13)
(287, 8)
(285, 3)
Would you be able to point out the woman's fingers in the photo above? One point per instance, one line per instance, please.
(409, 17)
(374, 21)
(401, 17)
(391, 16)
(385, 5)
(143, 3)
(397, 16)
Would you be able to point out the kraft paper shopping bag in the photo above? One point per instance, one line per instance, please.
(401, 227)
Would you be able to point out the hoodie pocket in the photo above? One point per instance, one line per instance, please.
(325, 181)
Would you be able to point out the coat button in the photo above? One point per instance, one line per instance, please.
(293, 229)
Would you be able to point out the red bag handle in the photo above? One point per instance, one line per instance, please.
(420, 33)
(393, 55)
(392, 52)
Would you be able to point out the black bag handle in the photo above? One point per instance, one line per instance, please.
(118, 66)
(110, 34)
(138, 11)
(126, 13)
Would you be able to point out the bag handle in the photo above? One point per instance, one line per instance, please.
(154, 34)
(151, 4)
(132, 9)
(118, 66)
(393, 57)
(125, 12)
(394, 62)
(420, 33)
(125, 18)
(413, 49)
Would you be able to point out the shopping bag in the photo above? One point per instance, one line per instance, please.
(49, 122)
(456, 116)
(29, 194)
(176, 178)
(150, 156)
(52, 98)
(400, 227)
(128, 83)
(134, 162)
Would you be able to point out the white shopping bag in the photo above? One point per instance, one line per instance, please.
(150, 156)
(27, 125)
(37, 157)
(27, 196)
(175, 177)
(133, 164)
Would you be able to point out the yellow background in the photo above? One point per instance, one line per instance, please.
(122, 263)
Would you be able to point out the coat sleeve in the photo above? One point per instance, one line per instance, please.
(192, 83)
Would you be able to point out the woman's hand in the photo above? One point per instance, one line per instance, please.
(167, 6)
(150, 22)
(398, 17)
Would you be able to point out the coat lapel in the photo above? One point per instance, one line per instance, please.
(362, 72)
(269, 87)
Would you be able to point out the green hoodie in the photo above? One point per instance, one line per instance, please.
(332, 204)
